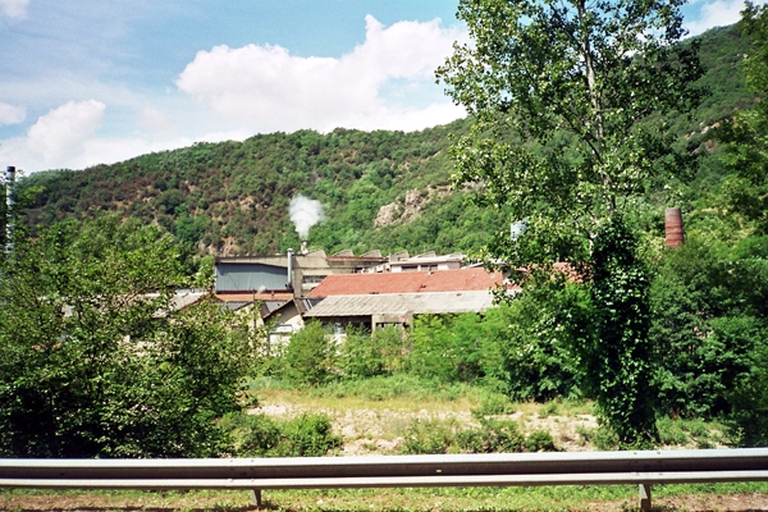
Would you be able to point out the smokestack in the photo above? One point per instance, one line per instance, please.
(290, 268)
(673, 227)
(10, 182)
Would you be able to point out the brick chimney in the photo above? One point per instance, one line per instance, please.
(673, 227)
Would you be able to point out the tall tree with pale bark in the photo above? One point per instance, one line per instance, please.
(569, 98)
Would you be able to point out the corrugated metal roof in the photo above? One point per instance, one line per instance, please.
(402, 304)
(181, 300)
(460, 280)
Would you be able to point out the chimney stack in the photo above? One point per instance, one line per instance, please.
(290, 268)
(673, 227)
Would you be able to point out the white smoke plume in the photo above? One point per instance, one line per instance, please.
(305, 213)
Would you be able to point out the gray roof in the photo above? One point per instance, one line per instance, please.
(402, 303)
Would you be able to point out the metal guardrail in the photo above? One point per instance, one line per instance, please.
(644, 468)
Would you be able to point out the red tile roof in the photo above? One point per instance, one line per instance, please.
(465, 279)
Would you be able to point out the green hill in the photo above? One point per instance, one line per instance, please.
(380, 190)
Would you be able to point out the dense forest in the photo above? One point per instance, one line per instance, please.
(381, 190)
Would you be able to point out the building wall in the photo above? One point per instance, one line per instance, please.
(244, 277)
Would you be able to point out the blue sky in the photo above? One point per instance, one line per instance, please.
(84, 82)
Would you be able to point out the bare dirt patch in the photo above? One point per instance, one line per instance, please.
(378, 431)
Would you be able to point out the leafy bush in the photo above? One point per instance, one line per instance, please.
(95, 361)
(749, 399)
(258, 435)
(446, 348)
(707, 325)
(492, 404)
(364, 355)
(429, 436)
(309, 435)
(310, 355)
(524, 353)
(493, 435)
(696, 431)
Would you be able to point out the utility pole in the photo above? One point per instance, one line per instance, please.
(10, 183)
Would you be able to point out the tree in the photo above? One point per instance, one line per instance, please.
(745, 199)
(746, 149)
(310, 356)
(95, 361)
(569, 98)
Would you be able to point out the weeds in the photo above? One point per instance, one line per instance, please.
(258, 435)
(494, 435)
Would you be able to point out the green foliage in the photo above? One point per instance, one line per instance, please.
(493, 404)
(365, 355)
(746, 155)
(619, 358)
(398, 385)
(749, 400)
(525, 351)
(256, 435)
(569, 133)
(308, 435)
(310, 356)
(696, 432)
(709, 318)
(429, 436)
(446, 348)
(493, 435)
(95, 361)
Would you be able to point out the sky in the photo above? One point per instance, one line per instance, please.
(84, 82)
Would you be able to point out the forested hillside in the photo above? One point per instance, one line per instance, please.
(381, 190)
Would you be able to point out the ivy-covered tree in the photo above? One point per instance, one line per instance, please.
(569, 98)
(94, 358)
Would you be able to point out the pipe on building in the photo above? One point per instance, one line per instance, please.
(290, 268)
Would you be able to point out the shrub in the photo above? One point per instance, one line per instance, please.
(310, 355)
(112, 377)
(494, 435)
(309, 435)
(364, 355)
(260, 435)
(540, 441)
(493, 404)
(524, 353)
(446, 348)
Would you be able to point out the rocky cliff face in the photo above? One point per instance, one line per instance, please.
(409, 207)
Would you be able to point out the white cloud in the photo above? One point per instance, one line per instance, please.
(57, 138)
(265, 88)
(151, 117)
(11, 114)
(61, 133)
(14, 8)
(715, 14)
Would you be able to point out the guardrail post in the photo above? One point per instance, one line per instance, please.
(256, 495)
(645, 497)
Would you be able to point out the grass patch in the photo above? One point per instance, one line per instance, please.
(693, 433)
(607, 497)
